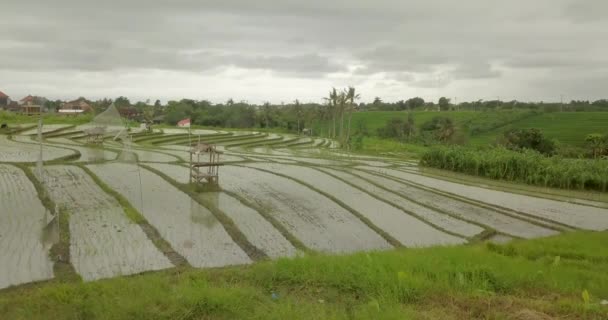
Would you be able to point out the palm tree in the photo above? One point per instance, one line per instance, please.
(351, 96)
(332, 101)
(341, 102)
(446, 129)
(298, 109)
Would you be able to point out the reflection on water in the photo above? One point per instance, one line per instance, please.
(201, 215)
(95, 155)
(50, 231)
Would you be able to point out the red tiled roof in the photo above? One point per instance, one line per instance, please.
(27, 99)
(3, 95)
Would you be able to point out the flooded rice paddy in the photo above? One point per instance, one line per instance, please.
(27, 231)
(104, 242)
(278, 196)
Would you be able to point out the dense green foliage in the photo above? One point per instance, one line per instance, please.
(531, 139)
(527, 166)
(481, 281)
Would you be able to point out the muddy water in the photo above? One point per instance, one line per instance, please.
(435, 217)
(191, 229)
(45, 128)
(257, 230)
(27, 231)
(142, 155)
(579, 216)
(487, 217)
(318, 222)
(104, 243)
(407, 229)
(87, 154)
(11, 151)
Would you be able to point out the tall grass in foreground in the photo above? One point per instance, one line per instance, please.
(484, 281)
(528, 167)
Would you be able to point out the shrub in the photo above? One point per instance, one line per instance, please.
(526, 166)
(533, 139)
(442, 128)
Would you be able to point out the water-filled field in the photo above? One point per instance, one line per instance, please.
(130, 207)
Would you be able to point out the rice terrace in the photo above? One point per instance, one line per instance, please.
(343, 160)
(100, 200)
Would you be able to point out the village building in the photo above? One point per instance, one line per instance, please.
(31, 105)
(77, 106)
(4, 101)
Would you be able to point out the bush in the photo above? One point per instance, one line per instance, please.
(526, 166)
(533, 139)
(442, 128)
(398, 128)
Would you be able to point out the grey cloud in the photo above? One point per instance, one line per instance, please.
(409, 42)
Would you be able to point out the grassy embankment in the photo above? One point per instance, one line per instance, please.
(521, 280)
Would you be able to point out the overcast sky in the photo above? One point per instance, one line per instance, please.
(279, 50)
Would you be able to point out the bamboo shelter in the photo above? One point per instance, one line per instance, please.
(95, 135)
(204, 156)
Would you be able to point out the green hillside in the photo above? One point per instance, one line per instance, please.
(569, 128)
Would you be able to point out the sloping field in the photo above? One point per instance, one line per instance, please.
(280, 200)
(26, 231)
(407, 229)
(578, 216)
(104, 243)
(567, 127)
(191, 229)
(318, 222)
(11, 151)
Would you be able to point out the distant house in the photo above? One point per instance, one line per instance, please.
(77, 106)
(31, 105)
(4, 100)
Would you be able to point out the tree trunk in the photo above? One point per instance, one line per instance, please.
(342, 124)
(350, 116)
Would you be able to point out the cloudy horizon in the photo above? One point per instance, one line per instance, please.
(278, 51)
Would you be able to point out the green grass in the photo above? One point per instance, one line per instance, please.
(379, 146)
(15, 118)
(480, 281)
(569, 128)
